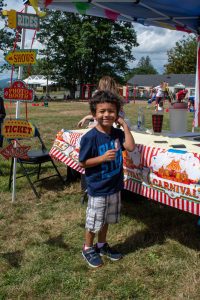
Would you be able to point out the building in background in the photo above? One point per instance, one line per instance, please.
(142, 84)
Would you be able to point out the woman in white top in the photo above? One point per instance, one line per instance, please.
(159, 94)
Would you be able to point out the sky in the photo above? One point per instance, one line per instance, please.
(153, 41)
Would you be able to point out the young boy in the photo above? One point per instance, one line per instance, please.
(101, 156)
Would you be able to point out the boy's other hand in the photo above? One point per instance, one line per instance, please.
(110, 155)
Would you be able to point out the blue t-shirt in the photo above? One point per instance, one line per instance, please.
(106, 178)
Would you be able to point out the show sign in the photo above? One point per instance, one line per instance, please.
(17, 129)
(21, 57)
(18, 92)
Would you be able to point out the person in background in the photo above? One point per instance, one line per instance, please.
(101, 156)
(89, 119)
(160, 106)
(165, 88)
(153, 96)
(2, 117)
(191, 103)
(180, 95)
(106, 83)
(159, 94)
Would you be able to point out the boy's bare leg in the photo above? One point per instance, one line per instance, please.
(89, 238)
(102, 234)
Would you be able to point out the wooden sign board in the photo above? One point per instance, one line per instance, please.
(21, 20)
(16, 129)
(21, 57)
(28, 21)
(18, 92)
(15, 150)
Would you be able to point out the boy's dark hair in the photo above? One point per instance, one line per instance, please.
(102, 97)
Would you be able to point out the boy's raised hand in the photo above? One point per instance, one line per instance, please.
(121, 122)
(129, 143)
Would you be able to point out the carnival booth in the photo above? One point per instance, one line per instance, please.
(164, 166)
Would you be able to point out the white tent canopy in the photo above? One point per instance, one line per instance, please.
(179, 86)
(39, 80)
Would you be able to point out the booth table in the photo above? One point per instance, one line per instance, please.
(162, 167)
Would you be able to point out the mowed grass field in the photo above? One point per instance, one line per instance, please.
(41, 241)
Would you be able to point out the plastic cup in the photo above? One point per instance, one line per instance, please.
(178, 120)
(157, 121)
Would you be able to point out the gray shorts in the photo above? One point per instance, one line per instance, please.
(102, 210)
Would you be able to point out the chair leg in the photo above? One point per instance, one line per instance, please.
(11, 173)
(39, 169)
(29, 180)
(58, 172)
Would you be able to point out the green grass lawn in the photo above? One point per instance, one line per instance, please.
(41, 241)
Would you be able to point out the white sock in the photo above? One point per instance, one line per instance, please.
(100, 245)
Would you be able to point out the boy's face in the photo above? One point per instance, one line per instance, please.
(106, 114)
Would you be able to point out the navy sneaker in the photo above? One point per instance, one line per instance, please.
(92, 257)
(110, 253)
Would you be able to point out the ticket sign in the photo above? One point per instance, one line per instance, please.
(21, 57)
(18, 92)
(28, 21)
(17, 129)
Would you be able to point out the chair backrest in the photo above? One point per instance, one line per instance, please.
(37, 134)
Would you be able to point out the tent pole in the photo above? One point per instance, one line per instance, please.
(196, 122)
(17, 112)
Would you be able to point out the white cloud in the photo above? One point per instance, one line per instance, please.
(14, 4)
(155, 42)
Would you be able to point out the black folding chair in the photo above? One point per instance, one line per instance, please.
(36, 157)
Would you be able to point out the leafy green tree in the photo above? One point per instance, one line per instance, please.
(7, 38)
(81, 49)
(182, 58)
(144, 66)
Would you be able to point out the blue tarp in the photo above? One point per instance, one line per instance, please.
(183, 15)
